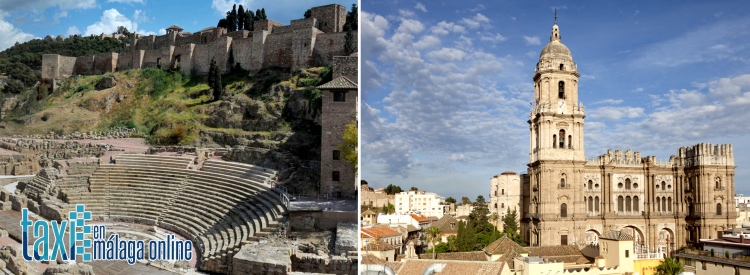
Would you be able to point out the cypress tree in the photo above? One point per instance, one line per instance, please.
(240, 18)
(249, 20)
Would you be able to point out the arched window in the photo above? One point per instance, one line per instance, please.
(718, 209)
(627, 183)
(554, 141)
(495, 205)
(570, 138)
(596, 204)
(503, 192)
(628, 204)
(562, 67)
(658, 201)
(591, 204)
(561, 89)
(495, 193)
(663, 204)
(591, 184)
(563, 210)
(502, 205)
(635, 204)
(669, 203)
(620, 202)
(562, 183)
(562, 139)
(663, 186)
(718, 183)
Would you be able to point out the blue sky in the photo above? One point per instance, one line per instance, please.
(446, 85)
(22, 20)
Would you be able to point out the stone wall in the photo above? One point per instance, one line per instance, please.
(331, 18)
(278, 50)
(19, 164)
(346, 66)
(105, 63)
(66, 66)
(84, 65)
(265, 25)
(336, 115)
(308, 262)
(242, 51)
(328, 45)
(50, 65)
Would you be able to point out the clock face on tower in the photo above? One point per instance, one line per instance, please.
(561, 107)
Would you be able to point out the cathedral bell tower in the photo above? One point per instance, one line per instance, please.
(556, 121)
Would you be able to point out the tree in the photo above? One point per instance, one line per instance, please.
(263, 14)
(240, 18)
(223, 23)
(450, 200)
(452, 245)
(249, 20)
(308, 13)
(466, 240)
(510, 227)
(413, 189)
(258, 15)
(433, 234)
(465, 200)
(352, 18)
(393, 189)
(390, 209)
(479, 221)
(480, 200)
(494, 217)
(669, 266)
(350, 42)
(13, 86)
(233, 21)
(349, 145)
(214, 80)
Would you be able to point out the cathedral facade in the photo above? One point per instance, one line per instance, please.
(567, 199)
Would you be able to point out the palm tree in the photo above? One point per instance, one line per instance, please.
(434, 234)
(494, 217)
(669, 266)
(452, 243)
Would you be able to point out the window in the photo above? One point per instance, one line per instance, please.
(561, 89)
(335, 176)
(663, 204)
(620, 202)
(336, 155)
(562, 67)
(339, 96)
(635, 203)
(627, 253)
(495, 193)
(562, 139)
(627, 184)
(591, 204)
(562, 183)
(563, 211)
(718, 209)
(554, 141)
(596, 204)
(502, 205)
(503, 192)
(658, 200)
(628, 204)
(570, 138)
(563, 239)
(663, 186)
(669, 203)
(590, 184)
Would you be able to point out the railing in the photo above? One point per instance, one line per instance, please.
(283, 194)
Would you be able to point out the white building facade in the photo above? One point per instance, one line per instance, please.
(420, 202)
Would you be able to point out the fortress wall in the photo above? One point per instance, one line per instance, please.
(328, 45)
(257, 51)
(302, 44)
(220, 51)
(66, 66)
(84, 65)
(125, 61)
(164, 41)
(185, 55)
(201, 58)
(105, 63)
(304, 23)
(212, 36)
(346, 66)
(138, 59)
(265, 25)
(331, 18)
(238, 34)
(150, 58)
(188, 39)
(282, 29)
(278, 50)
(50, 65)
(145, 43)
(242, 52)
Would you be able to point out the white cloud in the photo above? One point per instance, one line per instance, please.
(72, 30)
(56, 17)
(109, 22)
(588, 77)
(421, 7)
(447, 54)
(638, 90)
(475, 21)
(222, 6)
(41, 5)
(406, 13)
(615, 113)
(494, 38)
(162, 31)
(140, 16)
(10, 35)
(532, 40)
(444, 28)
(427, 42)
(608, 101)
(127, 1)
(477, 8)
(410, 26)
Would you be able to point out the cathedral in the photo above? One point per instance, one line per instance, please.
(566, 199)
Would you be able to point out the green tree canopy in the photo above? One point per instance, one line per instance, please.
(349, 145)
(465, 200)
(450, 200)
(393, 189)
(480, 200)
(669, 266)
(510, 227)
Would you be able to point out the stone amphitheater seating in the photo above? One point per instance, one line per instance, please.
(40, 185)
(218, 207)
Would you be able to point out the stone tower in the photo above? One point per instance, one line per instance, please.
(556, 155)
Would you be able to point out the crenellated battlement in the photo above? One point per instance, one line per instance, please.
(704, 154)
(304, 43)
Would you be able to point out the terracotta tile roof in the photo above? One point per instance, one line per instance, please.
(460, 256)
(559, 253)
(370, 259)
(503, 245)
(444, 224)
(368, 212)
(411, 228)
(380, 232)
(395, 265)
(420, 218)
(174, 27)
(616, 235)
(417, 267)
(340, 83)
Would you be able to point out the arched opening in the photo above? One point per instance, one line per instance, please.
(554, 141)
(562, 183)
(495, 205)
(669, 203)
(561, 89)
(658, 201)
(628, 204)
(663, 186)
(563, 210)
(596, 204)
(592, 237)
(158, 63)
(562, 67)
(718, 209)
(562, 139)
(627, 184)
(718, 183)
(502, 205)
(620, 202)
(591, 184)
(635, 204)
(570, 144)
(591, 204)
(502, 192)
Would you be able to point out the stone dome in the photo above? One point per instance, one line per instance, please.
(556, 50)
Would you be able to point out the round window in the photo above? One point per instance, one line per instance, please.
(669, 186)
(657, 186)
(635, 185)
(596, 186)
(619, 185)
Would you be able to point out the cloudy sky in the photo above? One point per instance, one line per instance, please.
(23, 20)
(447, 84)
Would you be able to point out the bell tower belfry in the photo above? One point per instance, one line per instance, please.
(556, 155)
(556, 121)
